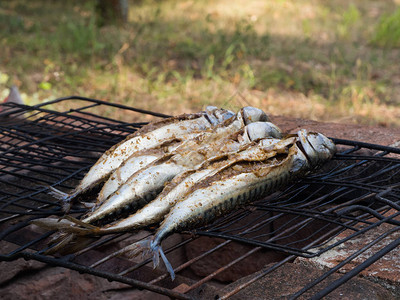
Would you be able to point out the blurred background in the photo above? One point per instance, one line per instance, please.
(324, 60)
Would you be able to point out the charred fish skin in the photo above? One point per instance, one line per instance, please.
(136, 162)
(148, 137)
(214, 198)
(182, 159)
(137, 191)
(154, 211)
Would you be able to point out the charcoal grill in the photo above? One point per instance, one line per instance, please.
(355, 193)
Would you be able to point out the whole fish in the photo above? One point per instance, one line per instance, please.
(147, 137)
(246, 116)
(146, 183)
(220, 194)
(136, 162)
(181, 185)
(149, 177)
(154, 212)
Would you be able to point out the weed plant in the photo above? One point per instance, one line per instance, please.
(323, 60)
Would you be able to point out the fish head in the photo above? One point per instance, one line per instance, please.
(249, 114)
(317, 147)
(260, 130)
(218, 115)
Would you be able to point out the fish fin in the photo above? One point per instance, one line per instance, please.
(144, 246)
(135, 249)
(66, 243)
(67, 224)
(58, 242)
(130, 251)
(64, 197)
(80, 223)
(52, 223)
(148, 245)
(157, 252)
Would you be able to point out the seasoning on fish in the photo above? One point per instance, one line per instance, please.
(227, 152)
(147, 137)
(200, 173)
(146, 183)
(181, 185)
(220, 194)
(79, 232)
(136, 162)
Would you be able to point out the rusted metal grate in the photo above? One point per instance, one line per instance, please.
(357, 191)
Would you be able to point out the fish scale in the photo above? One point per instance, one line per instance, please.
(239, 182)
(225, 138)
(149, 136)
(220, 195)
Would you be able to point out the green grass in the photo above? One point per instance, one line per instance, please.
(387, 33)
(311, 59)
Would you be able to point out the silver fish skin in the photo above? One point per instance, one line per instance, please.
(187, 156)
(135, 194)
(136, 162)
(172, 128)
(205, 204)
(122, 174)
(221, 195)
(154, 211)
(137, 191)
(113, 158)
(174, 191)
(147, 137)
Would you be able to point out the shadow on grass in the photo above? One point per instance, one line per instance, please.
(66, 39)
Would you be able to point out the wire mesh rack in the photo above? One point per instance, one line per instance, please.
(355, 193)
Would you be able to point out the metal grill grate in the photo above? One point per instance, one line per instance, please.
(357, 191)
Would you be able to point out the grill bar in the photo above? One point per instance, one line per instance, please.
(355, 194)
(344, 262)
(107, 275)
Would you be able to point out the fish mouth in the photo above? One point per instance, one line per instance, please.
(250, 114)
(216, 115)
(315, 146)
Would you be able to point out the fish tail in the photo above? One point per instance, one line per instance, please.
(135, 249)
(67, 243)
(147, 246)
(157, 251)
(64, 197)
(59, 242)
(67, 224)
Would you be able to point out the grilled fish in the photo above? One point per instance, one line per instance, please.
(154, 211)
(149, 180)
(146, 183)
(149, 136)
(181, 185)
(220, 194)
(136, 162)
(246, 116)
